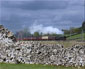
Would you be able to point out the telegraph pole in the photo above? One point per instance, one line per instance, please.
(82, 35)
(20, 36)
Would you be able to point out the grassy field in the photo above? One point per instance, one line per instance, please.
(77, 37)
(66, 43)
(33, 66)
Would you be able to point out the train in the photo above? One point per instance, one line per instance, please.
(43, 38)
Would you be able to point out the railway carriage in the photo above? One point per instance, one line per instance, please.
(43, 38)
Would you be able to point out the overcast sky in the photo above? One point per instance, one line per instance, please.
(61, 14)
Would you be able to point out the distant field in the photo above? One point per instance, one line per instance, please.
(64, 43)
(33, 66)
(77, 37)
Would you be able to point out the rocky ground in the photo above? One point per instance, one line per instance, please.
(33, 52)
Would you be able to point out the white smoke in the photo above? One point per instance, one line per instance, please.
(40, 28)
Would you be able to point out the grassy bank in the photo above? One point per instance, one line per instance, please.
(77, 37)
(33, 66)
(66, 43)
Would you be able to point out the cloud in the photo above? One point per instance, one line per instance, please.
(35, 5)
(44, 29)
(61, 14)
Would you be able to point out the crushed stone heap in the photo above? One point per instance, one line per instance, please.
(33, 52)
(36, 53)
(6, 35)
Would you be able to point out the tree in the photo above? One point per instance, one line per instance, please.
(26, 32)
(83, 26)
(36, 34)
(23, 33)
(77, 30)
(66, 31)
(41, 34)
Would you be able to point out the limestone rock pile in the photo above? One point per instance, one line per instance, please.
(36, 53)
(74, 56)
(6, 37)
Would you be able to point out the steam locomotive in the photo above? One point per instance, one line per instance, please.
(43, 38)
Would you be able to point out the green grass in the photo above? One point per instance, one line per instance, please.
(64, 43)
(34, 66)
(77, 37)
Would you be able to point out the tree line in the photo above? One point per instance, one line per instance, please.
(26, 32)
(74, 30)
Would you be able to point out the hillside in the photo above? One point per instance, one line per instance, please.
(77, 37)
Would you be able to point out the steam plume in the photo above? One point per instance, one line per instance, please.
(40, 28)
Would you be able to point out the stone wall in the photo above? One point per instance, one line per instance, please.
(33, 52)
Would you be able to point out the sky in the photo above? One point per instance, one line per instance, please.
(56, 14)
